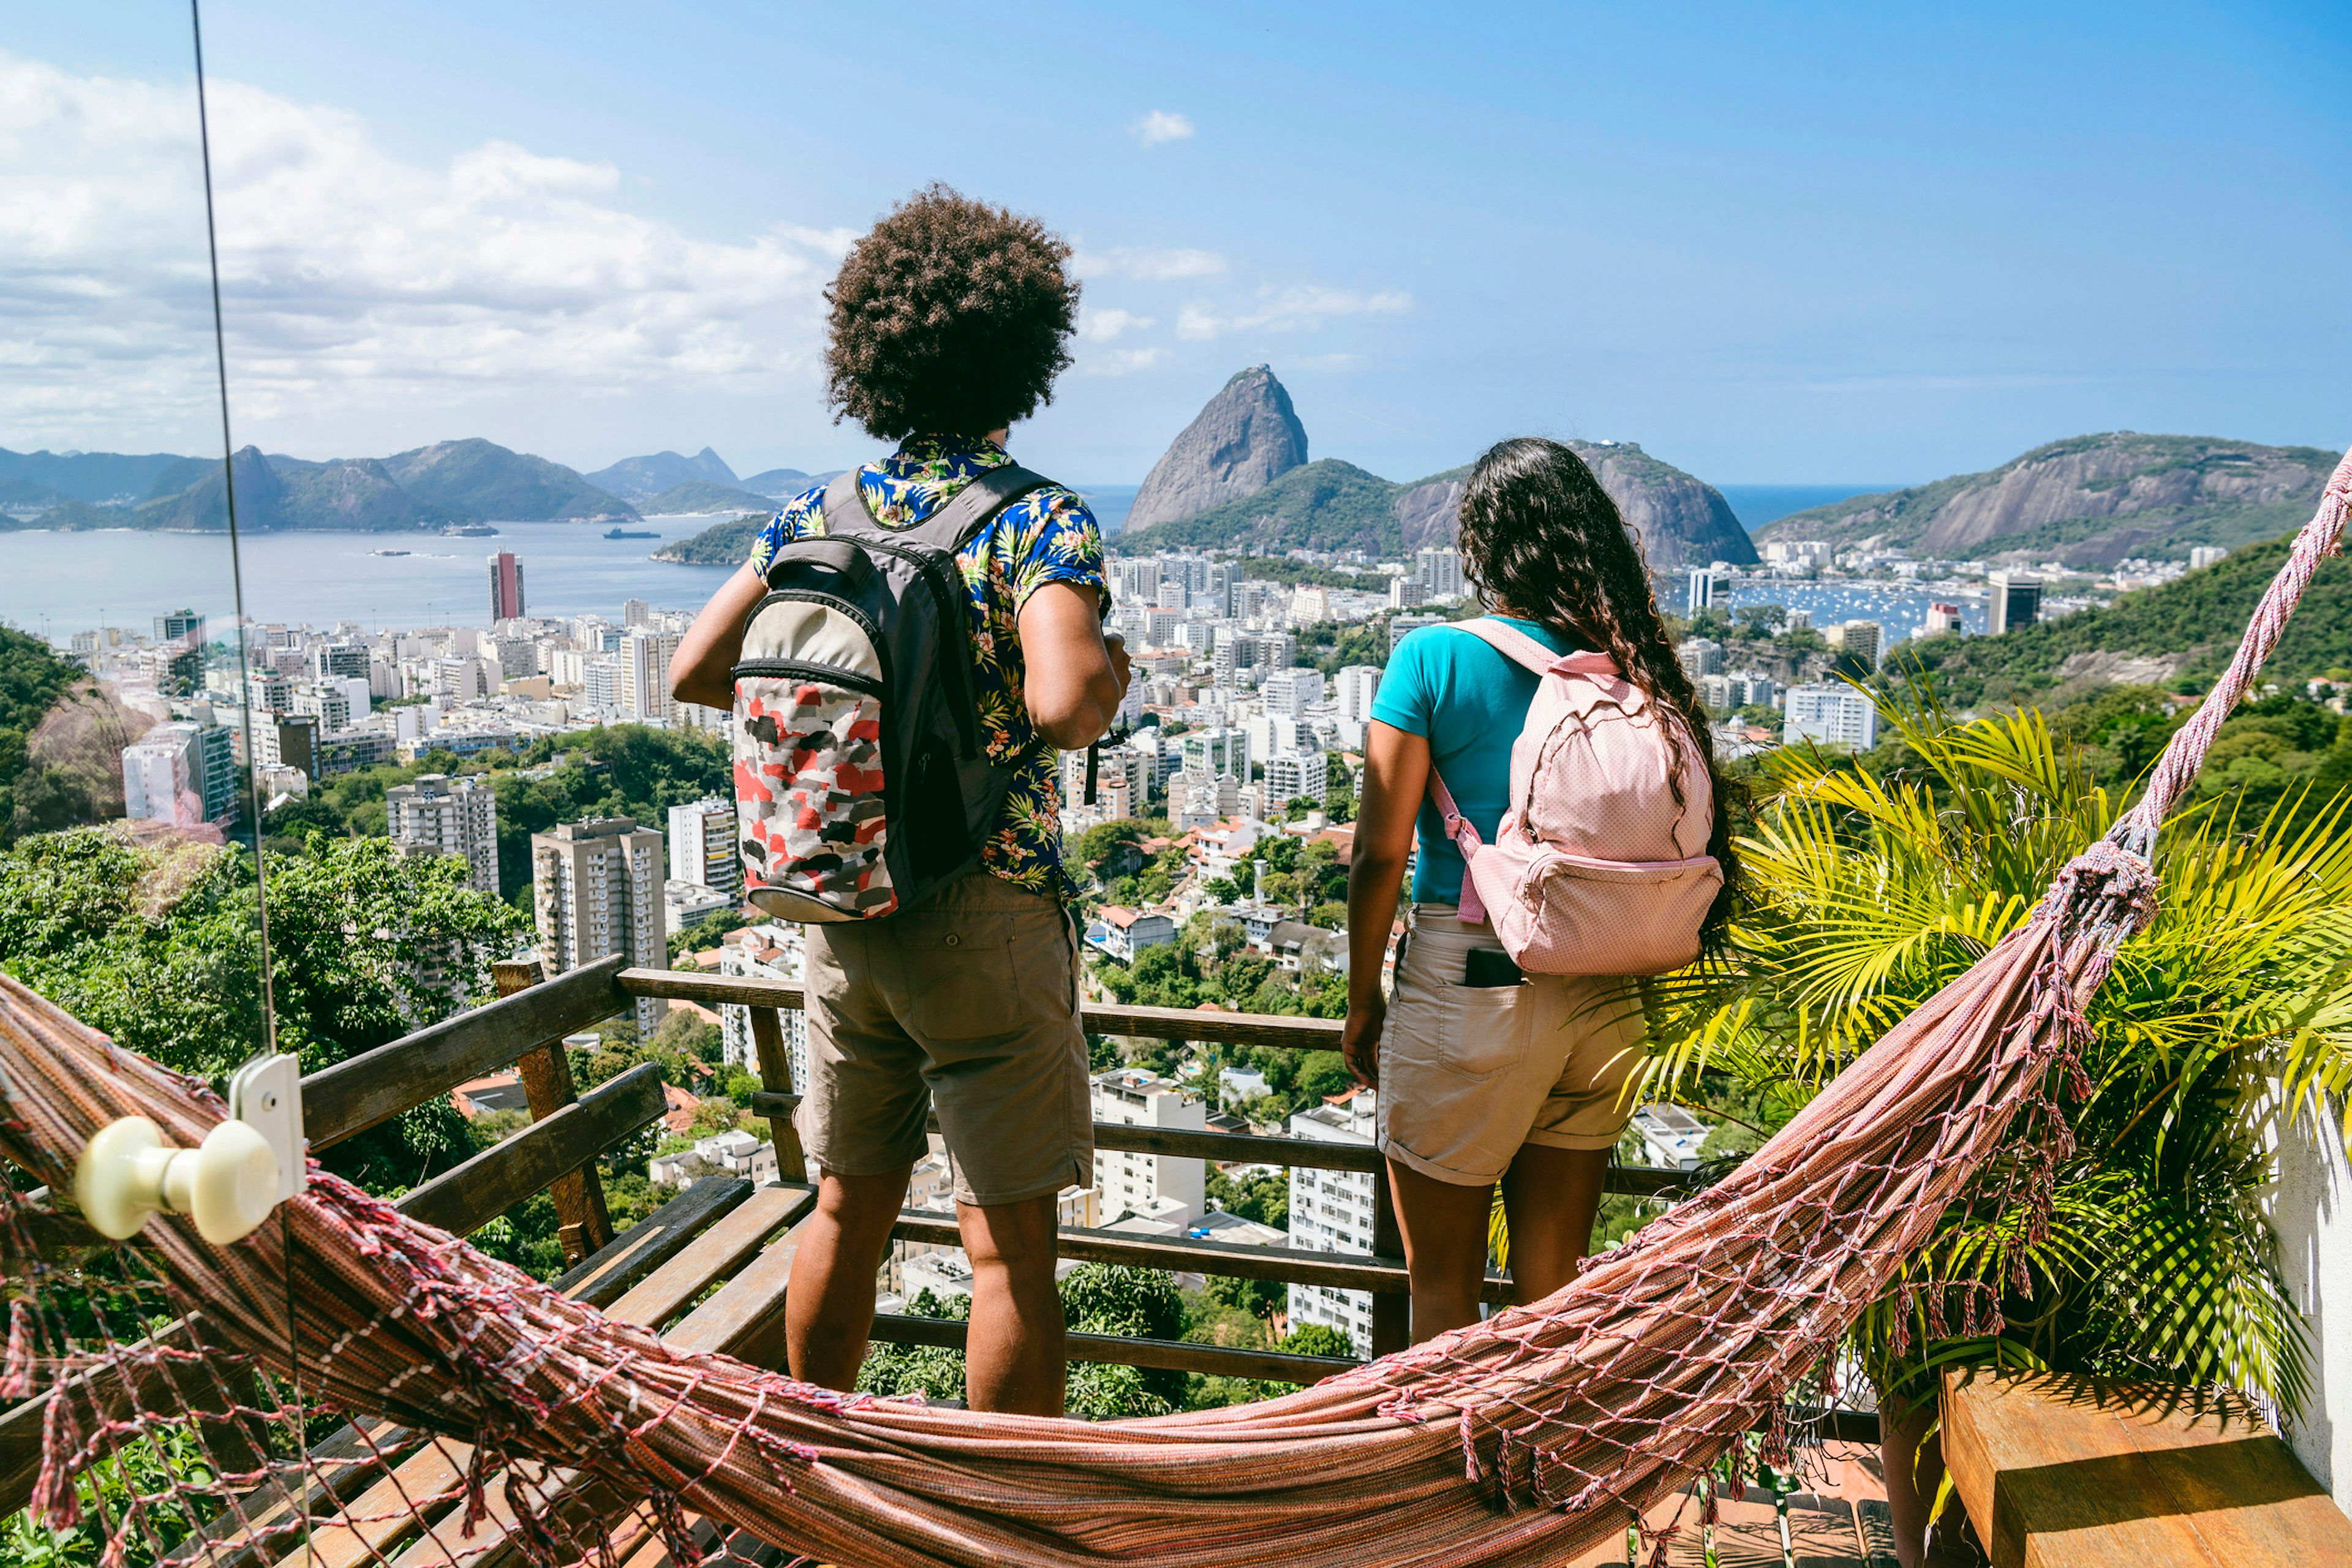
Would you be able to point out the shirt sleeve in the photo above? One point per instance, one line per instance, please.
(802, 516)
(1407, 696)
(1050, 538)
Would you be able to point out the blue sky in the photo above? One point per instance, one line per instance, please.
(1773, 245)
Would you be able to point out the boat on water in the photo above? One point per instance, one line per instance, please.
(468, 530)
(387, 553)
(630, 534)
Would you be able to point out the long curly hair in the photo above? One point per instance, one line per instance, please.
(949, 317)
(1542, 540)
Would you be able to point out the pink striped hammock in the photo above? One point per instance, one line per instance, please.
(1520, 1440)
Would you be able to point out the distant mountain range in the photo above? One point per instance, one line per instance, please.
(2090, 500)
(428, 488)
(1238, 474)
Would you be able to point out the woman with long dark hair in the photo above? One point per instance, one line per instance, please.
(1485, 1074)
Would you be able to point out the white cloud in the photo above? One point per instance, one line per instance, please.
(1162, 125)
(1120, 361)
(1148, 266)
(1101, 326)
(352, 279)
(1288, 309)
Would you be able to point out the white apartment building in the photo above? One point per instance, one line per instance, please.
(1331, 1211)
(181, 774)
(1290, 774)
(702, 846)
(1832, 715)
(437, 814)
(1197, 800)
(1440, 571)
(1710, 587)
(1290, 692)
(1354, 689)
(1151, 1185)
(645, 674)
(1699, 656)
(1217, 751)
(596, 889)
(772, 951)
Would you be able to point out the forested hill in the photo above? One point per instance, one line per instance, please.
(725, 543)
(2187, 627)
(2090, 500)
(32, 680)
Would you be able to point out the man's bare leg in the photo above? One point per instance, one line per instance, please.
(829, 1307)
(1015, 1360)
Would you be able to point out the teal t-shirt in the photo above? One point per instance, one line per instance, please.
(1468, 701)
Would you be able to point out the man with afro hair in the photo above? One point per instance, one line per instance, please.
(949, 321)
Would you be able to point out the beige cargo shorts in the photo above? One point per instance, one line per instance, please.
(968, 1002)
(1470, 1073)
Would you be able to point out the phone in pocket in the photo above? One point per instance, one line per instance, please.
(1488, 966)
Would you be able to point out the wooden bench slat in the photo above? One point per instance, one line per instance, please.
(601, 1277)
(717, 1253)
(2062, 1471)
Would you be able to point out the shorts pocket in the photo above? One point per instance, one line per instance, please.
(1484, 1032)
(957, 974)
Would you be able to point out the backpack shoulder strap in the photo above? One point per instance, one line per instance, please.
(947, 530)
(1510, 642)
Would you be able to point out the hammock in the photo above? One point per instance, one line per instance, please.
(1518, 1440)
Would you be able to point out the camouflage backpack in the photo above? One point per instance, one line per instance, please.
(861, 777)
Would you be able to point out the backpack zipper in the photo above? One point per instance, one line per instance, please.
(854, 679)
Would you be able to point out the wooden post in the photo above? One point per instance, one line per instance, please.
(1391, 1310)
(581, 1224)
(776, 1076)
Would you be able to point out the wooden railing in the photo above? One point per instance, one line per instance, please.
(1380, 1271)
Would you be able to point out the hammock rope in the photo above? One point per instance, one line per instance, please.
(1518, 1440)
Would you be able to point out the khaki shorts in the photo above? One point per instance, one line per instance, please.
(1468, 1074)
(966, 1002)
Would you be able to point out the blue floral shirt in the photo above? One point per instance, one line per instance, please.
(1047, 536)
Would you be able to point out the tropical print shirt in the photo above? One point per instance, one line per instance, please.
(1047, 536)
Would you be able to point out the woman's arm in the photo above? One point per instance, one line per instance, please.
(1396, 773)
(703, 668)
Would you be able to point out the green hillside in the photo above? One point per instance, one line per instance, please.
(1324, 505)
(2195, 620)
(720, 545)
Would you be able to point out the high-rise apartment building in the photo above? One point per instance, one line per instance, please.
(2016, 601)
(1163, 1187)
(436, 814)
(702, 845)
(1832, 715)
(1864, 642)
(1710, 587)
(1699, 656)
(1292, 775)
(1290, 692)
(185, 627)
(339, 658)
(1331, 1211)
(506, 587)
(181, 774)
(636, 612)
(1943, 619)
(645, 674)
(1354, 689)
(1440, 571)
(1218, 750)
(596, 889)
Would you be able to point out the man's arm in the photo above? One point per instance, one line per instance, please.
(703, 668)
(1076, 678)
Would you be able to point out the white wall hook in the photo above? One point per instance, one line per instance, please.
(243, 1169)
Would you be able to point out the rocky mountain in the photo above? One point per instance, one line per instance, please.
(202, 507)
(2091, 501)
(98, 478)
(355, 493)
(704, 495)
(1244, 438)
(636, 478)
(783, 484)
(481, 478)
(1332, 505)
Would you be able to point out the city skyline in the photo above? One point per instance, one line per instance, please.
(1773, 248)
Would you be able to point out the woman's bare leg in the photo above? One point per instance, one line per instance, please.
(1550, 1196)
(1444, 1227)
